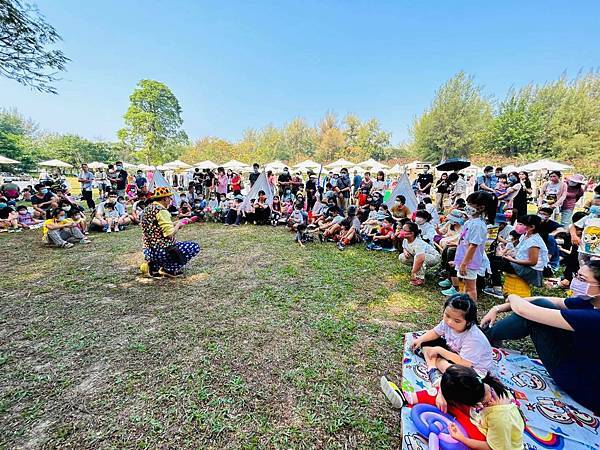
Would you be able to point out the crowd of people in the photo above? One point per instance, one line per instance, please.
(469, 240)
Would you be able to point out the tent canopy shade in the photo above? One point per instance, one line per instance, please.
(404, 187)
(97, 165)
(178, 164)
(307, 164)
(544, 164)
(54, 163)
(339, 164)
(208, 164)
(276, 166)
(5, 160)
(369, 163)
(235, 164)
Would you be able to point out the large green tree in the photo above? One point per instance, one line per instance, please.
(152, 123)
(454, 123)
(26, 40)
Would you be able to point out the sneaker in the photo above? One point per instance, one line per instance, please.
(450, 292)
(85, 241)
(68, 245)
(445, 284)
(392, 393)
(108, 230)
(341, 246)
(434, 375)
(417, 282)
(321, 240)
(495, 292)
(117, 229)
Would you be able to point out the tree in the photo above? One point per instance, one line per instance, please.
(455, 121)
(331, 138)
(25, 38)
(152, 122)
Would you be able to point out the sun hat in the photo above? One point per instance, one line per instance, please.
(161, 192)
(456, 216)
(576, 178)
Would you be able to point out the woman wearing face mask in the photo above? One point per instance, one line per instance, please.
(575, 190)
(416, 253)
(564, 332)
(528, 258)
(513, 189)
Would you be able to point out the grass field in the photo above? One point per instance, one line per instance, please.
(262, 345)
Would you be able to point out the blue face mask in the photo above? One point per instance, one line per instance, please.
(595, 210)
(44, 191)
(3, 205)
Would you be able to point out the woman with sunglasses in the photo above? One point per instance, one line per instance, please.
(564, 332)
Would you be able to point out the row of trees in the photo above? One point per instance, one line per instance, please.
(560, 120)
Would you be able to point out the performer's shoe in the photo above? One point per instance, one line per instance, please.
(166, 273)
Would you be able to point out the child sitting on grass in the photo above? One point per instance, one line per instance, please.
(26, 219)
(383, 240)
(427, 230)
(78, 219)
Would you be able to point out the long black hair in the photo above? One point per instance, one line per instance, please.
(464, 303)
(488, 200)
(461, 384)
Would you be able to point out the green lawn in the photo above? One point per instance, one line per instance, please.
(263, 345)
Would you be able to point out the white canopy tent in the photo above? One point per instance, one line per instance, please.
(129, 166)
(404, 187)
(145, 167)
(54, 163)
(208, 164)
(97, 165)
(275, 166)
(235, 165)
(178, 165)
(396, 169)
(5, 160)
(307, 165)
(340, 163)
(544, 164)
(371, 163)
(261, 184)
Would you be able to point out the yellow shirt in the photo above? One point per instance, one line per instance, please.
(503, 427)
(165, 222)
(49, 222)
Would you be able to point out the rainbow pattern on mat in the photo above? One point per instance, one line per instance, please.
(547, 439)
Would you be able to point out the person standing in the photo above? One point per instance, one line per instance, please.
(356, 182)
(487, 182)
(86, 178)
(343, 187)
(284, 181)
(120, 177)
(254, 175)
(424, 182)
(442, 189)
(575, 190)
(165, 256)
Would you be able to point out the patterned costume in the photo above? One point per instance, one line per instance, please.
(159, 241)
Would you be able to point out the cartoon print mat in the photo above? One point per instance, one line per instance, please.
(553, 419)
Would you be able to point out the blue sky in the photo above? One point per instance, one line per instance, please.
(235, 65)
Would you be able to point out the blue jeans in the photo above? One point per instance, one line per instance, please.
(553, 345)
(565, 217)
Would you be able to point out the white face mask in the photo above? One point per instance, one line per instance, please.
(470, 211)
(419, 221)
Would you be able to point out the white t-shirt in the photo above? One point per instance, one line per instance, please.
(471, 345)
(427, 231)
(590, 238)
(525, 243)
(505, 233)
(475, 232)
(419, 247)
(435, 217)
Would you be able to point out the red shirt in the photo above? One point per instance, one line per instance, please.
(235, 183)
(386, 230)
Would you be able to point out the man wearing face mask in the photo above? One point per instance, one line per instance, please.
(342, 188)
(86, 178)
(487, 182)
(42, 201)
(61, 231)
(120, 179)
(284, 181)
(564, 332)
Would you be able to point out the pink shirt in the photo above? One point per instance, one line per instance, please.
(222, 182)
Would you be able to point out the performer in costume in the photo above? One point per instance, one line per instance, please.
(165, 256)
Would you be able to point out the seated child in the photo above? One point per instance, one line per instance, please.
(78, 219)
(456, 340)
(383, 240)
(212, 207)
(224, 207)
(112, 217)
(427, 230)
(399, 210)
(350, 229)
(9, 218)
(299, 217)
(275, 210)
(26, 219)
(432, 210)
(185, 211)
(234, 213)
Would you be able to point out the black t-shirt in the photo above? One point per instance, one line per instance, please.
(442, 186)
(311, 185)
(423, 180)
(208, 179)
(253, 177)
(548, 226)
(121, 179)
(284, 178)
(4, 212)
(343, 183)
(35, 200)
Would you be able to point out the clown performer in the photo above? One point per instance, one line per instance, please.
(165, 256)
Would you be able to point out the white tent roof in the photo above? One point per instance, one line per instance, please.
(261, 184)
(235, 164)
(178, 164)
(129, 165)
(145, 167)
(544, 164)
(275, 166)
(54, 163)
(5, 160)
(97, 165)
(404, 187)
(307, 164)
(369, 163)
(396, 168)
(510, 168)
(208, 164)
(164, 168)
(339, 164)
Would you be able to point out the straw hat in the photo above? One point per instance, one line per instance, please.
(576, 178)
(161, 192)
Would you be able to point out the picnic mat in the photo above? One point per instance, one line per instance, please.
(552, 419)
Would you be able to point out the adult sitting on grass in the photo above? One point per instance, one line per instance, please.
(42, 201)
(416, 253)
(164, 254)
(564, 332)
(110, 214)
(61, 231)
(527, 260)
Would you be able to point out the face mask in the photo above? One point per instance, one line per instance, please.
(419, 221)
(3, 205)
(543, 217)
(573, 183)
(119, 167)
(470, 211)
(61, 218)
(595, 210)
(579, 287)
(44, 191)
(513, 179)
(403, 234)
(520, 228)
(66, 208)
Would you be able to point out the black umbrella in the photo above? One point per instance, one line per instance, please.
(453, 164)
